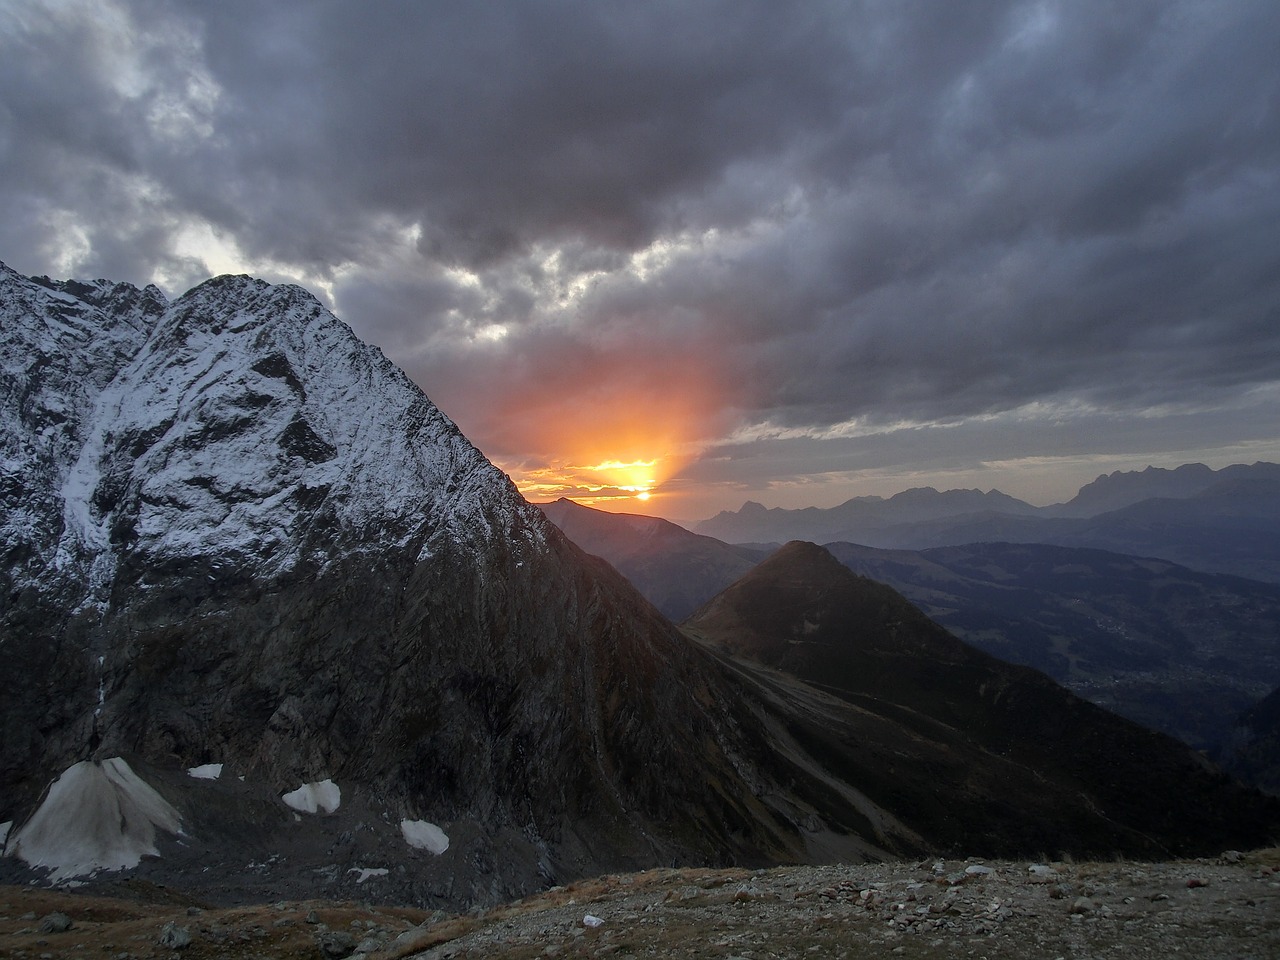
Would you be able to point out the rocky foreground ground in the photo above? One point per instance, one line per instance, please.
(1223, 908)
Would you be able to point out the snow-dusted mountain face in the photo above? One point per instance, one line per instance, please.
(221, 430)
(160, 457)
(234, 534)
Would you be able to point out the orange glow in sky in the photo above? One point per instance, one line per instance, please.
(614, 450)
(608, 428)
(621, 485)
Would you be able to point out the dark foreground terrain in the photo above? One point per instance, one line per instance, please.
(1227, 907)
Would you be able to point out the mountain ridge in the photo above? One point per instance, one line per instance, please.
(673, 568)
(1228, 521)
(804, 614)
(1175, 649)
(1121, 488)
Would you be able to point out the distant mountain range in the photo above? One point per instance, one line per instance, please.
(1224, 521)
(1115, 491)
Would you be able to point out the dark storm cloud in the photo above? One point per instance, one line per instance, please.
(854, 214)
(502, 125)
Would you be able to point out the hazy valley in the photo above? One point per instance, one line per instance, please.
(1176, 648)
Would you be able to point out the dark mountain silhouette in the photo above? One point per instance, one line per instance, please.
(677, 571)
(1254, 754)
(987, 737)
(1172, 648)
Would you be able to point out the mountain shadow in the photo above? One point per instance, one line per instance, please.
(1175, 649)
(967, 749)
(677, 571)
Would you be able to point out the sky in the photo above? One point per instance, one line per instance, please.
(666, 257)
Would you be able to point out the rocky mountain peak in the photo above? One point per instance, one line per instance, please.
(240, 538)
(246, 415)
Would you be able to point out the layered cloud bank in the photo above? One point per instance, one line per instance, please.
(797, 249)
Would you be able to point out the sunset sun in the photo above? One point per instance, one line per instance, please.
(622, 447)
(609, 484)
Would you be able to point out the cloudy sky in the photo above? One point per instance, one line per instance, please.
(789, 252)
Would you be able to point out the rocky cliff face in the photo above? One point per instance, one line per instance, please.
(235, 534)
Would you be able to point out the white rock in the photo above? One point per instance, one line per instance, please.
(1042, 872)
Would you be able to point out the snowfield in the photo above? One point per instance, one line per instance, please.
(313, 797)
(422, 835)
(96, 816)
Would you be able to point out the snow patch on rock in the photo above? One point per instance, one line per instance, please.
(364, 873)
(422, 835)
(314, 797)
(96, 816)
(206, 771)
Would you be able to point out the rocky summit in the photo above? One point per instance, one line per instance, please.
(272, 627)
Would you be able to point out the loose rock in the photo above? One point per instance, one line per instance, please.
(337, 944)
(55, 923)
(175, 937)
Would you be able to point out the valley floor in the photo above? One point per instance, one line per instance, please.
(1223, 908)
